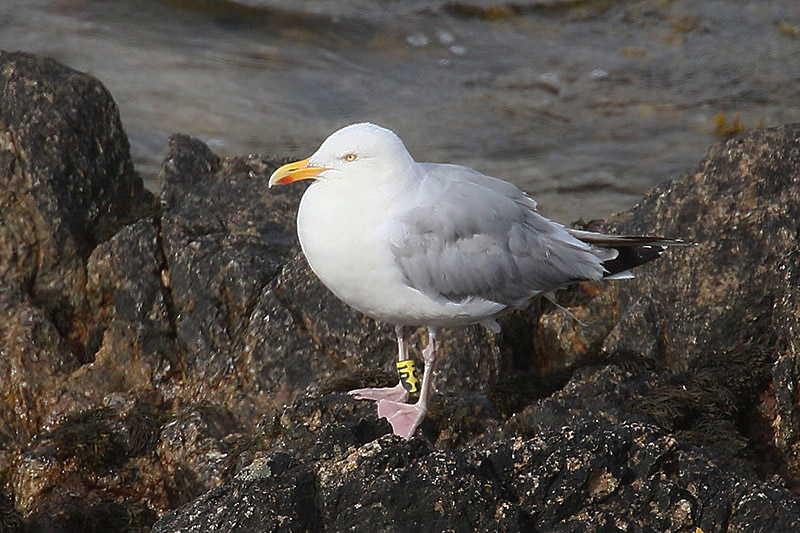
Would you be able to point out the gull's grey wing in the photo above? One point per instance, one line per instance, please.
(471, 236)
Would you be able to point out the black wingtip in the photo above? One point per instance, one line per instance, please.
(632, 250)
(632, 256)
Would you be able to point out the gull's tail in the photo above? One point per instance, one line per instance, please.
(632, 250)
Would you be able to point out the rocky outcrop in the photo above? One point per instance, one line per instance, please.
(68, 184)
(68, 179)
(176, 366)
(737, 287)
(595, 475)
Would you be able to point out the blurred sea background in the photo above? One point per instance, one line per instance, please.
(583, 104)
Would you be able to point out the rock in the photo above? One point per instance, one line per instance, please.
(67, 478)
(592, 476)
(223, 240)
(738, 285)
(179, 366)
(740, 206)
(280, 497)
(69, 179)
(132, 338)
(197, 450)
(68, 184)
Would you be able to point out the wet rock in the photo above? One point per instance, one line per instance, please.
(277, 495)
(68, 183)
(187, 357)
(779, 403)
(392, 485)
(224, 239)
(10, 519)
(596, 475)
(132, 338)
(738, 285)
(68, 178)
(198, 448)
(592, 476)
(741, 207)
(321, 427)
(75, 473)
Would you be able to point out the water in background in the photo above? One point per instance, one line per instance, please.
(585, 105)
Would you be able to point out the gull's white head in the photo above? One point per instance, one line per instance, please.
(356, 150)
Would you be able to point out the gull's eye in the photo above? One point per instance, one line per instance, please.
(350, 157)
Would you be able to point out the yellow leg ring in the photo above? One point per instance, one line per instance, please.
(407, 369)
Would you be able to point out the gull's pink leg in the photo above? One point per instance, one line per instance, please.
(405, 418)
(398, 393)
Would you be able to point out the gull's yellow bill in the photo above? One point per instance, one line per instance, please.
(296, 171)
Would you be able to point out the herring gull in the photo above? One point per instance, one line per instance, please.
(435, 245)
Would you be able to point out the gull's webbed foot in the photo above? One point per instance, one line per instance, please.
(404, 418)
(396, 394)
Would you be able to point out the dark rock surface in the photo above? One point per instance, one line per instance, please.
(741, 206)
(68, 179)
(178, 367)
